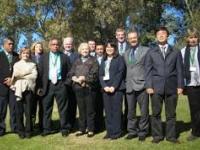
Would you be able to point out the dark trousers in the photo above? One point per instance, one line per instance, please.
(4, 102)
(170, 112)
(133, 127)
(194, 104)
(72, 106)
(37, 104)
(99, 117)
(113, 110)
(124, 112)
(24, 107)
(59, 92)
(86, 109)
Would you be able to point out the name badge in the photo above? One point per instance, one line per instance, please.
(193, 69)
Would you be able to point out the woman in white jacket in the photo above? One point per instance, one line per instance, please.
(23, 83)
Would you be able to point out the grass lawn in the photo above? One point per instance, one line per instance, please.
(57, 142)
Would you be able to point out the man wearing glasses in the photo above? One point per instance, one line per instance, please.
(7, 59)
(54, 67)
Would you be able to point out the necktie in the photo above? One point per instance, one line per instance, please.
(121, 48)
(54, 77)
(163, 51)
(9, 56)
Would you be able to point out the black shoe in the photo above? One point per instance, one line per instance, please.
(28, 135)
(80, 133)
(115, 137)
(90, 134)
(130, 136)
(106, 137)
(141, 138)
(2, 133)
(65, 133)
(21, 136)
(45, 133)
(175, 141)
(192, 137)
(156, 141)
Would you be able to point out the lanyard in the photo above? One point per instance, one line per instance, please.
(54, 60)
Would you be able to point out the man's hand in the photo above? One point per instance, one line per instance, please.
(7, 81)
(112, 89)
(107, 89)
(150, 91)
(179, 91)
(81, 78)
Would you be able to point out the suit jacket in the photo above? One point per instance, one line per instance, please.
(164, 75)
(116, 71)
(38, 80)
(44, 70)
(5, 71)
(135, 72)
(126, 46)
(74, 55)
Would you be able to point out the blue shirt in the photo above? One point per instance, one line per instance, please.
(54, 63)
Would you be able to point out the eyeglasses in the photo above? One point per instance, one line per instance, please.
(55, 44)
(10, 43)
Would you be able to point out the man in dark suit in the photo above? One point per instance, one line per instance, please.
(54, 67)
(73, 56)
(7, 59)
(99, 118)
(122, 47)
(164, 82)
(135, 90)
(92, 46)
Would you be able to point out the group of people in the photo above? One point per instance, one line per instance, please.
(97, 77)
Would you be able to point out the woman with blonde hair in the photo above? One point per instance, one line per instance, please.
(37, 52)
(23, 84)
(84, 76)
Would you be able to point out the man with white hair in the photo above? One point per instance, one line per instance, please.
(73, 55)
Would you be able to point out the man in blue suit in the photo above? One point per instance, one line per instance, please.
(72, 55)
(164, 82)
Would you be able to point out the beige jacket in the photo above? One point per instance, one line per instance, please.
(24, 77)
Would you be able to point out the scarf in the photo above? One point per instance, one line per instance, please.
(187, 56)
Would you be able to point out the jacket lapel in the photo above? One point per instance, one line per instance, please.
(169, 50)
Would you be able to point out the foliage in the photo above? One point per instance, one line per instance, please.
(89, 19)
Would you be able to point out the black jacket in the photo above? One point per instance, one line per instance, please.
(117, 73)
(44, 70)
(5, 71)
(164, 75)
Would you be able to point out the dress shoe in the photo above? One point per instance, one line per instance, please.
(130, 136)
(115, 137)
(45, 133)
(156, 141)
(28, 135)
(80, 133)
(65, 133)
(175, 141)
(141, 138)
(90, 134)
(21, 136)
(2, 133)
(192, 137)
(106, 137)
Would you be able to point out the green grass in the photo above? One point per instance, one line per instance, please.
(57, 142)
